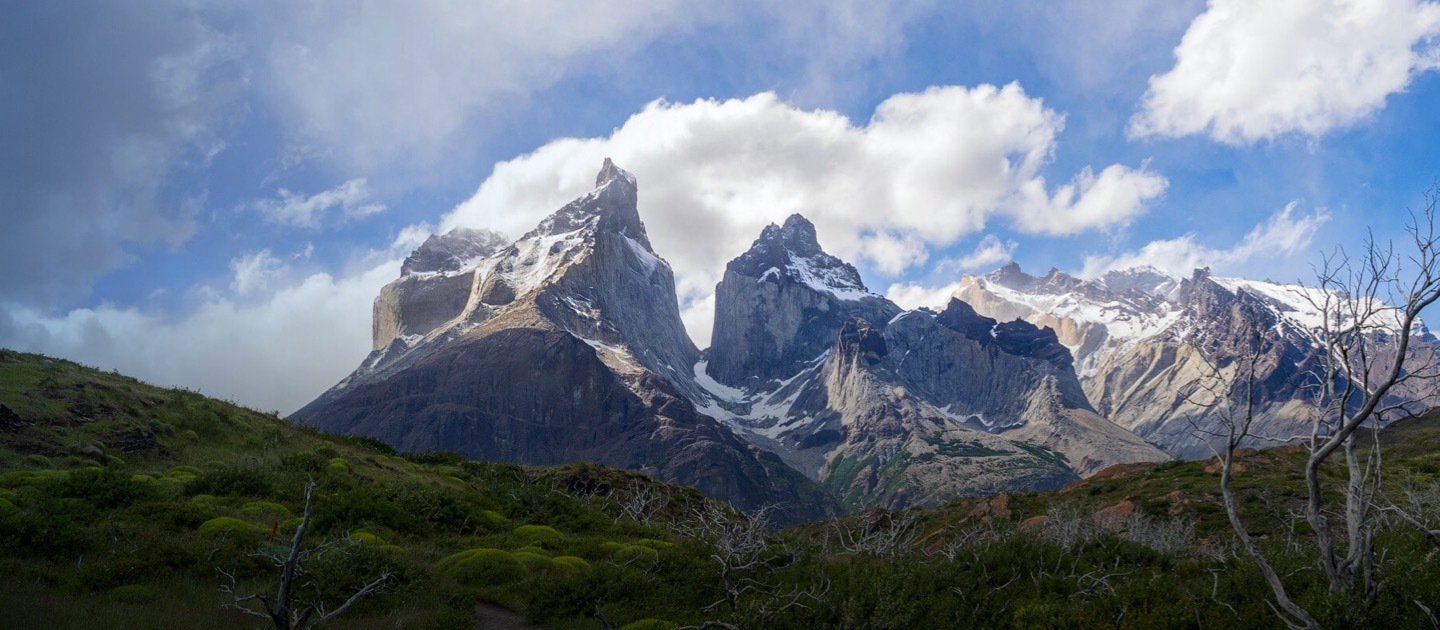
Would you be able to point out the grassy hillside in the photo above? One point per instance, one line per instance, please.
(131, 504)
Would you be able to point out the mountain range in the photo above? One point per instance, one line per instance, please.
(815, 394)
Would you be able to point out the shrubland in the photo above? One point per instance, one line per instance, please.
(150, 507)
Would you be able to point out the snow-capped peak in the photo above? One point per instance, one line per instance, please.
(792, 251)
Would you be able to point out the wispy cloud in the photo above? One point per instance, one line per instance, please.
(351, 199)
(1283, 234)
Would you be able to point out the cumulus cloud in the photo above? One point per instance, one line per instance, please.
(926, 170)
(1248, 71)
(278, 352)
(351, 199)
(1282, 235)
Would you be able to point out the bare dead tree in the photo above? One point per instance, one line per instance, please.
(1228, 393)
(1367, 375)
(1420, 508)
(641, 503)
(283, 609)
(1370, 306)
(883, 534)
(747, 555)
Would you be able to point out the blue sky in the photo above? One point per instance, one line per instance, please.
(211, 194)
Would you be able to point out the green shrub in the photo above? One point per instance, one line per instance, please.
(637, 555)
(534, 550)
(493, 519)
(190, 470)
(571, 563)
(657, 545)
(8, 494)
(304, 461)
(649, 624)
(484, 567)
(36, 461)
(7, 506)
(366, 538)
(338, 464)
(131, 594)
(437, 458)
(145, 479)
(538, 535)
(104, 487)
(533, 561)
(190, 435)
(234, 481)
(266, 509)
(232, 525)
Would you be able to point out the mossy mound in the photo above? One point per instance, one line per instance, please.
(570, 563)
(649, 624)
(265, 508)
(483, 567)
(637, 555)
(232, 525)
(533, 561)
(538, 535)
(366, 538)
(532, 549)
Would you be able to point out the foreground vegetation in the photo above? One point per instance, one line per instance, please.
(150, 507)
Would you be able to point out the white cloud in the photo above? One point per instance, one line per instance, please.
(277, 353)
(988, 252)
(913, 295)
(1281, 236)
(1248, 71)
(351, 198)
(376, 85)
(376, 82)
(926, 170)
(253, 272)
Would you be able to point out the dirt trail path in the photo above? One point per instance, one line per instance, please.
(495, 617)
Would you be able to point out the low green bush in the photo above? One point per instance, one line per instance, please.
(637, 555)
(534, 550)
(538, 535)
(265, 509)
(649, 624)
(533, 561)
(484, 567)
(232, 525)
(571, 563)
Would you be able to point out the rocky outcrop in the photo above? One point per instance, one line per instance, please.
(781, 303)
(454, 251)
(567, 346)
(433, 287)
(1143, 340)
(895, 408)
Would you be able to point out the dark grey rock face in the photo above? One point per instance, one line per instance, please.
(567, 346)
(781, 303)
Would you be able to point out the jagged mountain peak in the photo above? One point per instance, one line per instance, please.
(453, 251)
(612, 206)
(791, 251)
